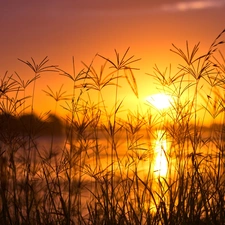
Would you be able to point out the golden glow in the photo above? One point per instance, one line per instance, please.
(160, 101)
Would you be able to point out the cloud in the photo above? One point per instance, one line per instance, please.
(192, 5)
(132, 7)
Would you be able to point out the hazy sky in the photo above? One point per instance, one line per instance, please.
(82, 28)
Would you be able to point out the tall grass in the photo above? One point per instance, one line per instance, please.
(101, 168)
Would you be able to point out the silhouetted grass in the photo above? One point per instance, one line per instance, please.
(99, 169)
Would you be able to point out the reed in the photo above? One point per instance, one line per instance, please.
(99, 168)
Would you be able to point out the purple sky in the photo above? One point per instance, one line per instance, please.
(77, 28)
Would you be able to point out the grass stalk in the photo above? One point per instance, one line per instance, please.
(102, 171)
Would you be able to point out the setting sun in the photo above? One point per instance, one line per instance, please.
(160, 101)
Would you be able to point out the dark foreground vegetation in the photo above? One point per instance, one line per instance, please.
(98, 168)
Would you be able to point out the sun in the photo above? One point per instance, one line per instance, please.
(160, 101)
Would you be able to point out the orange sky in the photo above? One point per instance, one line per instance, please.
(63, 29)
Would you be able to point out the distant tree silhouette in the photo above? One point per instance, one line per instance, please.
(29, 124)
(54, 125)
(8, 127)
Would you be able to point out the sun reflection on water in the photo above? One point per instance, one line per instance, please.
(161, 162)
